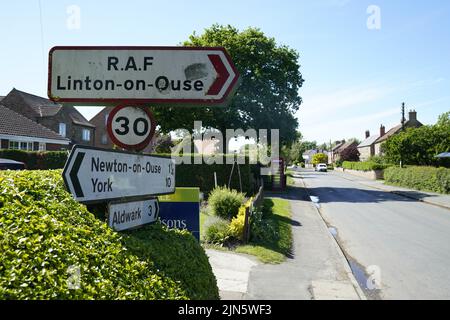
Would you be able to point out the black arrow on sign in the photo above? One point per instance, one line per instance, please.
(74, 174)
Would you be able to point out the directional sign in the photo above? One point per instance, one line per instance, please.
(94, 174)
(156, 75)
(131, 128)
(127, 215)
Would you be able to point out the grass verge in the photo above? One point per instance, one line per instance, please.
(274, 250)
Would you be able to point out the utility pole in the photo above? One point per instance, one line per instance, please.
(403, 129)
(403, 116)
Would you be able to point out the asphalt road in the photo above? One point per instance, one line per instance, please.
(405, 243)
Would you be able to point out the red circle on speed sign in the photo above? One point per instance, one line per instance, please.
(131, 127)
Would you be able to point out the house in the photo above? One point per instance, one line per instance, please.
(412, 122)
(20, 133)
(64, 120)
(345, 147)
(367, 147)
(333, 155)
(101, 138)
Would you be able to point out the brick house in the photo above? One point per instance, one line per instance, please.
(63, 120)
(412, 122)
(20, 133)
(101, 137)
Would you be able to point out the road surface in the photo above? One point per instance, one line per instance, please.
(405, 243)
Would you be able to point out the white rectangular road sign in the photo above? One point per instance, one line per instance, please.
(127, 215)
(94, 175)
(156, 75)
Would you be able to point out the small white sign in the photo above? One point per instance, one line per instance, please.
(127, 215)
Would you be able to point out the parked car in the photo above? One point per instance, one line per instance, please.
(7, 164)
(321, 167)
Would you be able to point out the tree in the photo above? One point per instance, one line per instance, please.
(164, 144)
(319, 158)
(267, 97)
(349, 154)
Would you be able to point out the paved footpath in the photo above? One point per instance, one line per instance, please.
(317, 269)
(440, 200)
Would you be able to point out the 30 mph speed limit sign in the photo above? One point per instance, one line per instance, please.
(131, 127)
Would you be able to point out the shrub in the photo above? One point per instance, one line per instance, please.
(420, 178)
(217, 232)
(363, 166)
(237, 226)
(179, 257)
(44, 232)
(225, 203)
(262, 230)
(37, 160)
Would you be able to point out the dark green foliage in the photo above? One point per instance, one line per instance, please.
(44, 231)
(37, 160)
(420, 178)
(419, 146)
(363, 166)
(178, 256)
(225, 203)
(268, 94)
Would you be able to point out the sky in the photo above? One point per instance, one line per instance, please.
(360, 59)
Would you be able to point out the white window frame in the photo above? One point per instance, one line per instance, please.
(42, 146)
(21, 145)
(86, 135)
(62, 129)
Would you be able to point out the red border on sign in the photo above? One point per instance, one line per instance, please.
(136, 147)
(141, 101)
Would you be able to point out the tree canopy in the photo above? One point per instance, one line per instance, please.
(268, 94)
(419, 146)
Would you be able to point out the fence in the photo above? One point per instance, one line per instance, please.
(256, 201)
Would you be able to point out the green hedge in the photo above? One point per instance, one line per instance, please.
(363, 166)
(420, 178)
(202, 176)
(37, 160)
(44, 232)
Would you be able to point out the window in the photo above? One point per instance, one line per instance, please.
(41, 146)
(17, 145)
(86, 135)
(62, 129)
(104, 139)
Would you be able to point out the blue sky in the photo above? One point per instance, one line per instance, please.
(355, 78)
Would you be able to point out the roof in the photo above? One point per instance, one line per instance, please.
(42, 107)
(15, 124)
(396, 129)
(337, 146)
(345, 146)
(369, 141)
(389, 134)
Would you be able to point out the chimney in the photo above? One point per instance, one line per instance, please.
(382, 131)
(412, 115)
(367, 134)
